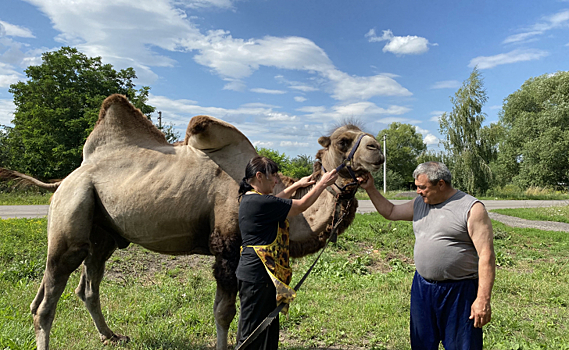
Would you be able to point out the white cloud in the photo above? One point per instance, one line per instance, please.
(446, 84)
(558, 20)
(265, 144)
(400, 45)
(8, 75)
(267, 91)
(299, 99)
(436, 116)
(312, 109)
(303, 88)
(390, 120)
(7, 80)
(7, 109)
(7, 29)
(521, 37)
(486, 62)
(430, 139)
(258, 105)
(293, 144)
(238, 58)
(282, 117)
(420, 130)
(124, 33)
(131, 34)
(346, 87)
(369, 109)
(194, 4)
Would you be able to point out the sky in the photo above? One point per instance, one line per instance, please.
(287, 72)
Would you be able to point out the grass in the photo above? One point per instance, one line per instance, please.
(532, 193)
(356, 298)
(24, 198)
(559, 214)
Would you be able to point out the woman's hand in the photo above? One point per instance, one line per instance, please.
(329, 178)
(305, 181)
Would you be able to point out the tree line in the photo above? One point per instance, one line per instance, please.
(57, 107)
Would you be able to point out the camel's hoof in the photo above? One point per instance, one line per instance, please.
(116, 339)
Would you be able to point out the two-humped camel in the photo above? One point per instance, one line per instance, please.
(135, 187)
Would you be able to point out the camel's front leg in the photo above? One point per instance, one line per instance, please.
(226, 251)
(224, 311)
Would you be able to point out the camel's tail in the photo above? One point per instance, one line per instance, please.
(7, 174)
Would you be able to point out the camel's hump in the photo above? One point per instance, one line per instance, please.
(120, 123)
(209, 134)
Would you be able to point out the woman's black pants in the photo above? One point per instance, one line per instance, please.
(257, 300)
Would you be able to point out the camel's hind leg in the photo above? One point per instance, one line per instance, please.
(69, 227)
(61, 262)
(102, 247)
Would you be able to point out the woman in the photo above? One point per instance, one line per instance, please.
(263, 272)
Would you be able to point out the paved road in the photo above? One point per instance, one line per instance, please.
(365, 206)
(23, 211)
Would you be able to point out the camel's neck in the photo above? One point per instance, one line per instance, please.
(310, 230)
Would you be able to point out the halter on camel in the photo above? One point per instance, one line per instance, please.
(337, 218)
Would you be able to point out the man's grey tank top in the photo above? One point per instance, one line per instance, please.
(443, 247)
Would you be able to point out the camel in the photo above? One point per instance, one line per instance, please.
(135, 187)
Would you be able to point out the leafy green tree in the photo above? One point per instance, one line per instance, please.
(57, 107)
(464, 137)
(298, 167)
(280, 158)
(404, 145)
(535, 118)
(394, 180)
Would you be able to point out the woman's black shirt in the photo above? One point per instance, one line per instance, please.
(259, 217)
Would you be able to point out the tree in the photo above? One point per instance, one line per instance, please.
(535, 118)
(57, 107)
(403, 145)
(464, 137)
(296, 168)
(280, 158)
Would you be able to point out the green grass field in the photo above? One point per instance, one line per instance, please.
(24, 198)
(356, 298)
(559, 214)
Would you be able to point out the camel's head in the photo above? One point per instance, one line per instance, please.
(337, 147)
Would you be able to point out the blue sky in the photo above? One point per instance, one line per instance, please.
(285, 72)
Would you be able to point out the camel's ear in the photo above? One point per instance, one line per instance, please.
(324, 141)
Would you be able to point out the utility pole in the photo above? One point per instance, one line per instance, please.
(160, 120)
(384, 165)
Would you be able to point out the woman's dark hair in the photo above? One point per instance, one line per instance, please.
(259, 163)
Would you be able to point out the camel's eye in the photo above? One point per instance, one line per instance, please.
(343, 144)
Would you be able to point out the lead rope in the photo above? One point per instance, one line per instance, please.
(269, 319)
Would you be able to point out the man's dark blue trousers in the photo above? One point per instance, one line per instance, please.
(440, 312)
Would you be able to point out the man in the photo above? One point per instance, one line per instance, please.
(454, 258)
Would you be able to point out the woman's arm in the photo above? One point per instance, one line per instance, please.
(304, 182)
(300, 205)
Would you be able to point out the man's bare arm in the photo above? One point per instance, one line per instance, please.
(387, 209)
(480, 230)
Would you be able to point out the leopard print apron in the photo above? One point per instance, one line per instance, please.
(275, 258)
